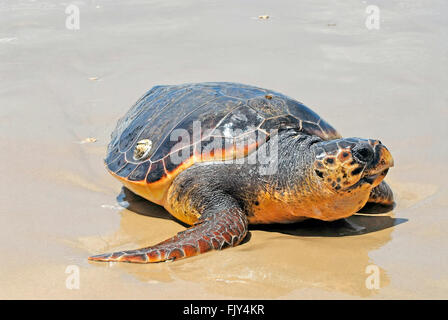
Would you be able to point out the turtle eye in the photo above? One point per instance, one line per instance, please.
(363, 153)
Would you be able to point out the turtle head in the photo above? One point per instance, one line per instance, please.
(351, 163)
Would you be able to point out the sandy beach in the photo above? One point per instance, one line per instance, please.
(63, 89)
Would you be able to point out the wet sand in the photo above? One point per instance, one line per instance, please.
(59, 87)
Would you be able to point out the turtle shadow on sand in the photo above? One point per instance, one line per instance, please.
(133, 202)
(368, 219)
(276, 270)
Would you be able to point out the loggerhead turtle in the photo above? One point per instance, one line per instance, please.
(219, 156)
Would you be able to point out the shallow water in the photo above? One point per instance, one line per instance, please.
(59, 87)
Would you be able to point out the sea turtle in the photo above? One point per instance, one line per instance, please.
(219, 156)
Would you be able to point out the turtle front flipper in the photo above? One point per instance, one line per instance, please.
(382, 194)
(215, 231)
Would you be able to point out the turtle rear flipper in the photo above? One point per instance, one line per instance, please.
(217, 230)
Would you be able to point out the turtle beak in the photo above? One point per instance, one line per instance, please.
(380, 164)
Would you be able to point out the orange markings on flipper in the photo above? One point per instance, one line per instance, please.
(190, 250)
(153, 255)
(136, 258)
(204, 246)
(176, 253)
(227, 237)
(222, 230)
(116, 255)
(100, 257)
(215, 243)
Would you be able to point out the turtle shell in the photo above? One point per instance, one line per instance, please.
(200, 122)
